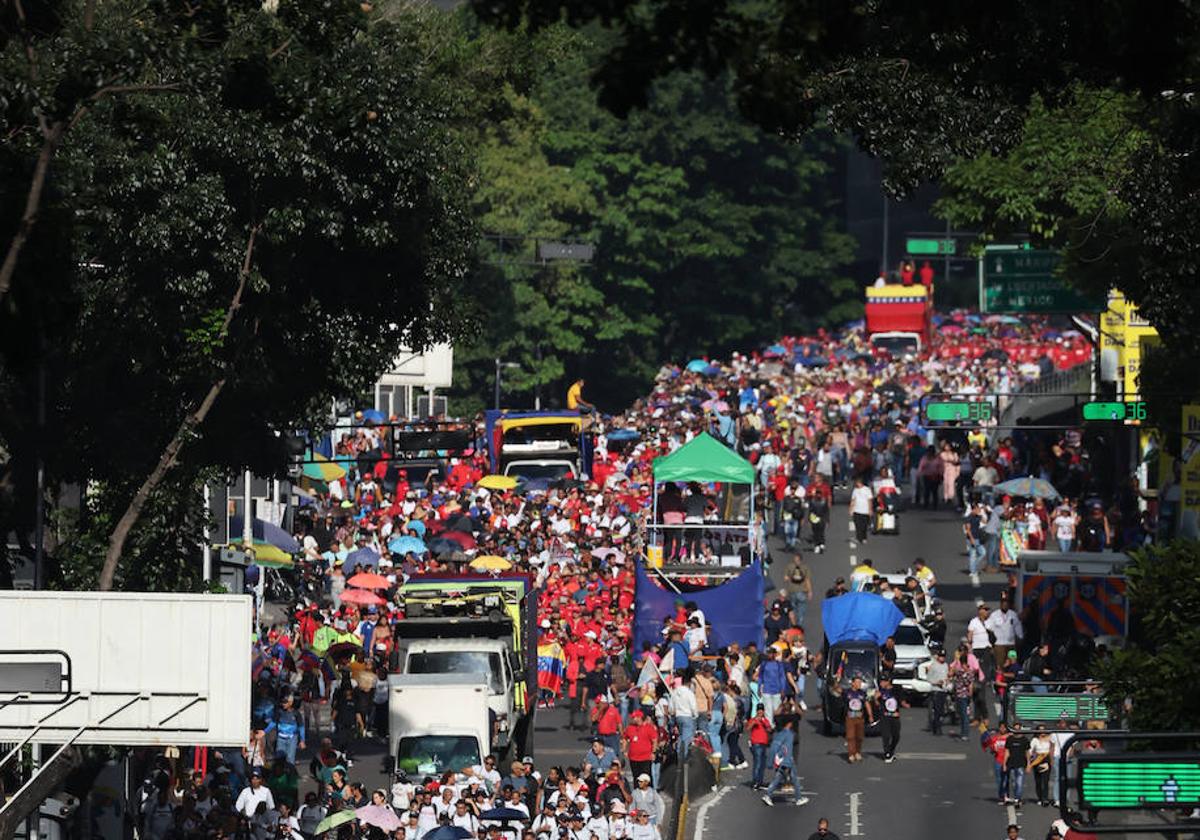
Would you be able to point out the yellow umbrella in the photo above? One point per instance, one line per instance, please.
(498, 482)
(269, 556)
(491, 563)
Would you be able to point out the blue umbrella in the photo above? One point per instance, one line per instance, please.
(449, 832)
(373, 415)
(812, 361)
(363, 557)
(697, 365)
(711, 370)
(501, 815)
(775, 350)
(405, 544)
(859, 616)
(1028, 487)
(267, 532)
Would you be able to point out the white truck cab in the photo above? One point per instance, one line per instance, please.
(490, 661)
(437, 722)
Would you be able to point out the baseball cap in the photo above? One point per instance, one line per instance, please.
(643, 777)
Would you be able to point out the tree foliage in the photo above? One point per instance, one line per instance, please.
(1154, 673)
(260, 238)
(709, 233)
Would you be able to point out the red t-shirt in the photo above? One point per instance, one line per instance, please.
(609, 721)
(641, 740)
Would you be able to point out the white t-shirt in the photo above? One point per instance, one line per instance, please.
(1064, 527)
(1006, 626)
(977, 631)
(860, 500)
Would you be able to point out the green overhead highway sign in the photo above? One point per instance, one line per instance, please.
(1114, 411)
(958, 411)
(1136, 782)
(931, 247)
(1018, 280)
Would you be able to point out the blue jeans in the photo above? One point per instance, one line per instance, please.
(799, 606)
(1064, 544)
(758, 754)
(992, 545)
(687, 731)
(791, 530)
(783, 775)
(733, 739)
(975, 554)
(287, 744)
(963, 706)
(1016, 782)
(655, 769)
(1001, 781)
(714, 731)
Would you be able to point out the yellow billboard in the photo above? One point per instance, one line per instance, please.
(1138, 335)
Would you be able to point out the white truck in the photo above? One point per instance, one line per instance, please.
(489, 660)
(437, 722)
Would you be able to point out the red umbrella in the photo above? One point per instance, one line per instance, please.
(362, 597)
(369, 580)
(461, 537)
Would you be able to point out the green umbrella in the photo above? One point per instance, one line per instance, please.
(335, 819)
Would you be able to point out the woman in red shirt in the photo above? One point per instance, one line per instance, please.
(759, 727)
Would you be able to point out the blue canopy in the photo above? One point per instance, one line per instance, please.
(812, 361)
(733, 609)
(697, 365)
(373, 415)
(859, 616)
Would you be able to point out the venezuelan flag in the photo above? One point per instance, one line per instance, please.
(551, 667)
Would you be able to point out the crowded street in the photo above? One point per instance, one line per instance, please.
(513, 420)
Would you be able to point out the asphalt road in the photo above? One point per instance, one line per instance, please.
(938, 787)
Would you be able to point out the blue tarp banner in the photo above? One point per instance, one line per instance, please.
(858, 616)
(734, 610)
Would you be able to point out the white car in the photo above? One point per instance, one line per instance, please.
(912, 649)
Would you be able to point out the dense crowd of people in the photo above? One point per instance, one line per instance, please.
(810, 414)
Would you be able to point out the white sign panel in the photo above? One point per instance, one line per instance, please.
(144, 669)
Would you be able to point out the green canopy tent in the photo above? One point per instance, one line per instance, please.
(704, 459)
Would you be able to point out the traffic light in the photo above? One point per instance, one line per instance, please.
(958, 410)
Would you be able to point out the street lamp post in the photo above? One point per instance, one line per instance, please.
(499, 366)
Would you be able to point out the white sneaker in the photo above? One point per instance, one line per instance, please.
(803, 706)
(803, 800)
(766, 798)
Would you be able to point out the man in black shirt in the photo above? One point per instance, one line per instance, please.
(822, 832)
(776, 623)
(1016, 756)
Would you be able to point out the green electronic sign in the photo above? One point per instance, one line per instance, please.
(1138, 781)
(1031, 709)
(975, 412)
(930, 247)
(1114, 411)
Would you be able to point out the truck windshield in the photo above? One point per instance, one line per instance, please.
(527, 470)
(477, 662)
(897, 345)
(906, 634)
(433, 754)
(848, 664)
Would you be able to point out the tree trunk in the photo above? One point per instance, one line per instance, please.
(28, 801)
(170, 456)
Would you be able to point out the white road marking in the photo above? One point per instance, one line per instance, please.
(702, 811)
(853, 559)
(1012, 814)
(855, 803)
(932, 756)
